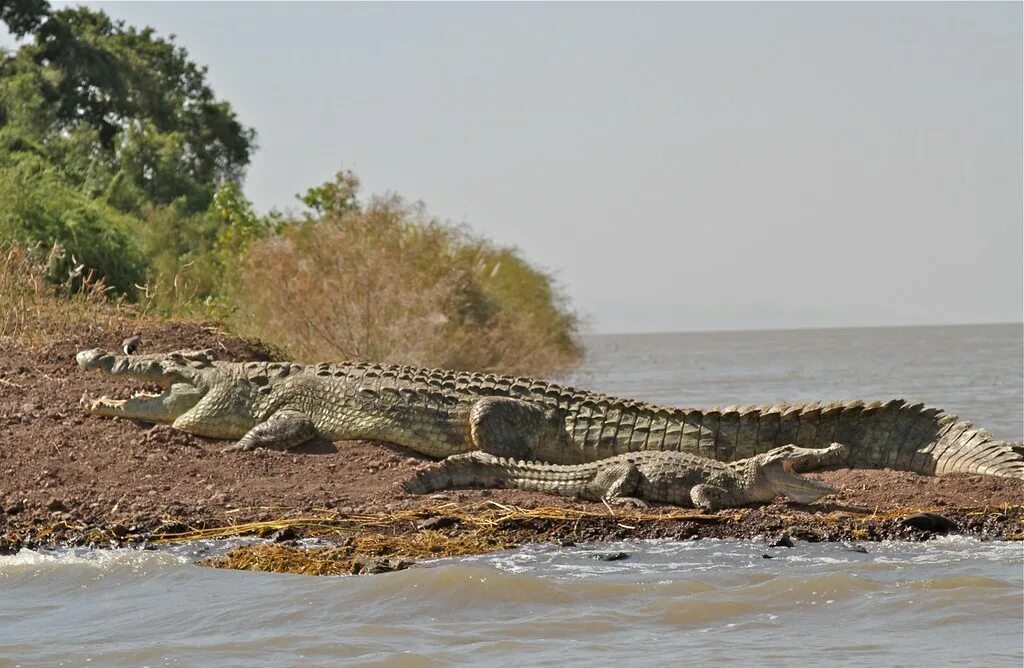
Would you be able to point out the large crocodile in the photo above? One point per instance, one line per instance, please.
(665, 477)
(442, 413)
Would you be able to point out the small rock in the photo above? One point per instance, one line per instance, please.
(767, 556)
(781, 540)
(566, 542)
(118, 530)
(16, 507)
(385, 565)
(8, 547)
(285, 534)
(609, 556)
(171, 527)
(851, 547)
(931, 522)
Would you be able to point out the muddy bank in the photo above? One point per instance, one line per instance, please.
(69, 479)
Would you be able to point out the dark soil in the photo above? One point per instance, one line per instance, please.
(66, 478)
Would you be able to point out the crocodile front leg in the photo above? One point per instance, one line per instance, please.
(517, 429)
(284, 430)
(615, 484)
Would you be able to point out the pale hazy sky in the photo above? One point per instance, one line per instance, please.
(678, 166)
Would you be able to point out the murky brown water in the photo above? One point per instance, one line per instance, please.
(947, 601)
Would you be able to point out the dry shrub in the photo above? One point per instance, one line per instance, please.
(34, 310)
(387, 283)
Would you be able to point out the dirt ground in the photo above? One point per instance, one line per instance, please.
(67, 478)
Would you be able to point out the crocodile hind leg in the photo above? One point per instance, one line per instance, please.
(707, 497)
(615, 484)
(284, 430)
(516, 429)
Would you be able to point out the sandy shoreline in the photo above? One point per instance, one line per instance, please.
(70, 479)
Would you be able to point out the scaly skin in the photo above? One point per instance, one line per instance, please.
(443, 413)
(663, 477)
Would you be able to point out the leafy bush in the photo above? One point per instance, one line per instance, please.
(386, 282)
(75, 233)
(194, 259)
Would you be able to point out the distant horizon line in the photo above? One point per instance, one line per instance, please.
(801, 329)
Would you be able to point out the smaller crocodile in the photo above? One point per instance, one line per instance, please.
(660, 476)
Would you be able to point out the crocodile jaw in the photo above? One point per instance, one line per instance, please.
(163, 408)
(177, 398)
(802, 490)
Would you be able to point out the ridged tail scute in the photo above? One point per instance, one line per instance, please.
(879, 434)
(483, 470)
(920, 439)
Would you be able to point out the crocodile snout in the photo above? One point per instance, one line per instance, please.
(94, 359)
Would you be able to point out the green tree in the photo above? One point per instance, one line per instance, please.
(333, 198)
(23, 16)
(123, 113)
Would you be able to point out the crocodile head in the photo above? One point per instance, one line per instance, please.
(777, 470)
(199, 394)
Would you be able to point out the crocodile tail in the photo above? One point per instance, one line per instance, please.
(472, 469)
(879, 435)
(963, 448)
(482, 470)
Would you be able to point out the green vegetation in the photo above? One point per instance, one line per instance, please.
(119, 168)
(384, 281)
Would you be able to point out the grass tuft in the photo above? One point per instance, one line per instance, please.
(34, 311)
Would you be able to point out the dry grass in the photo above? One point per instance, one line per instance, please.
(374, 543)
(390, 541)
(380, 542)
(34, 311)
(364, 553)
(333, 523)
(389, 284)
